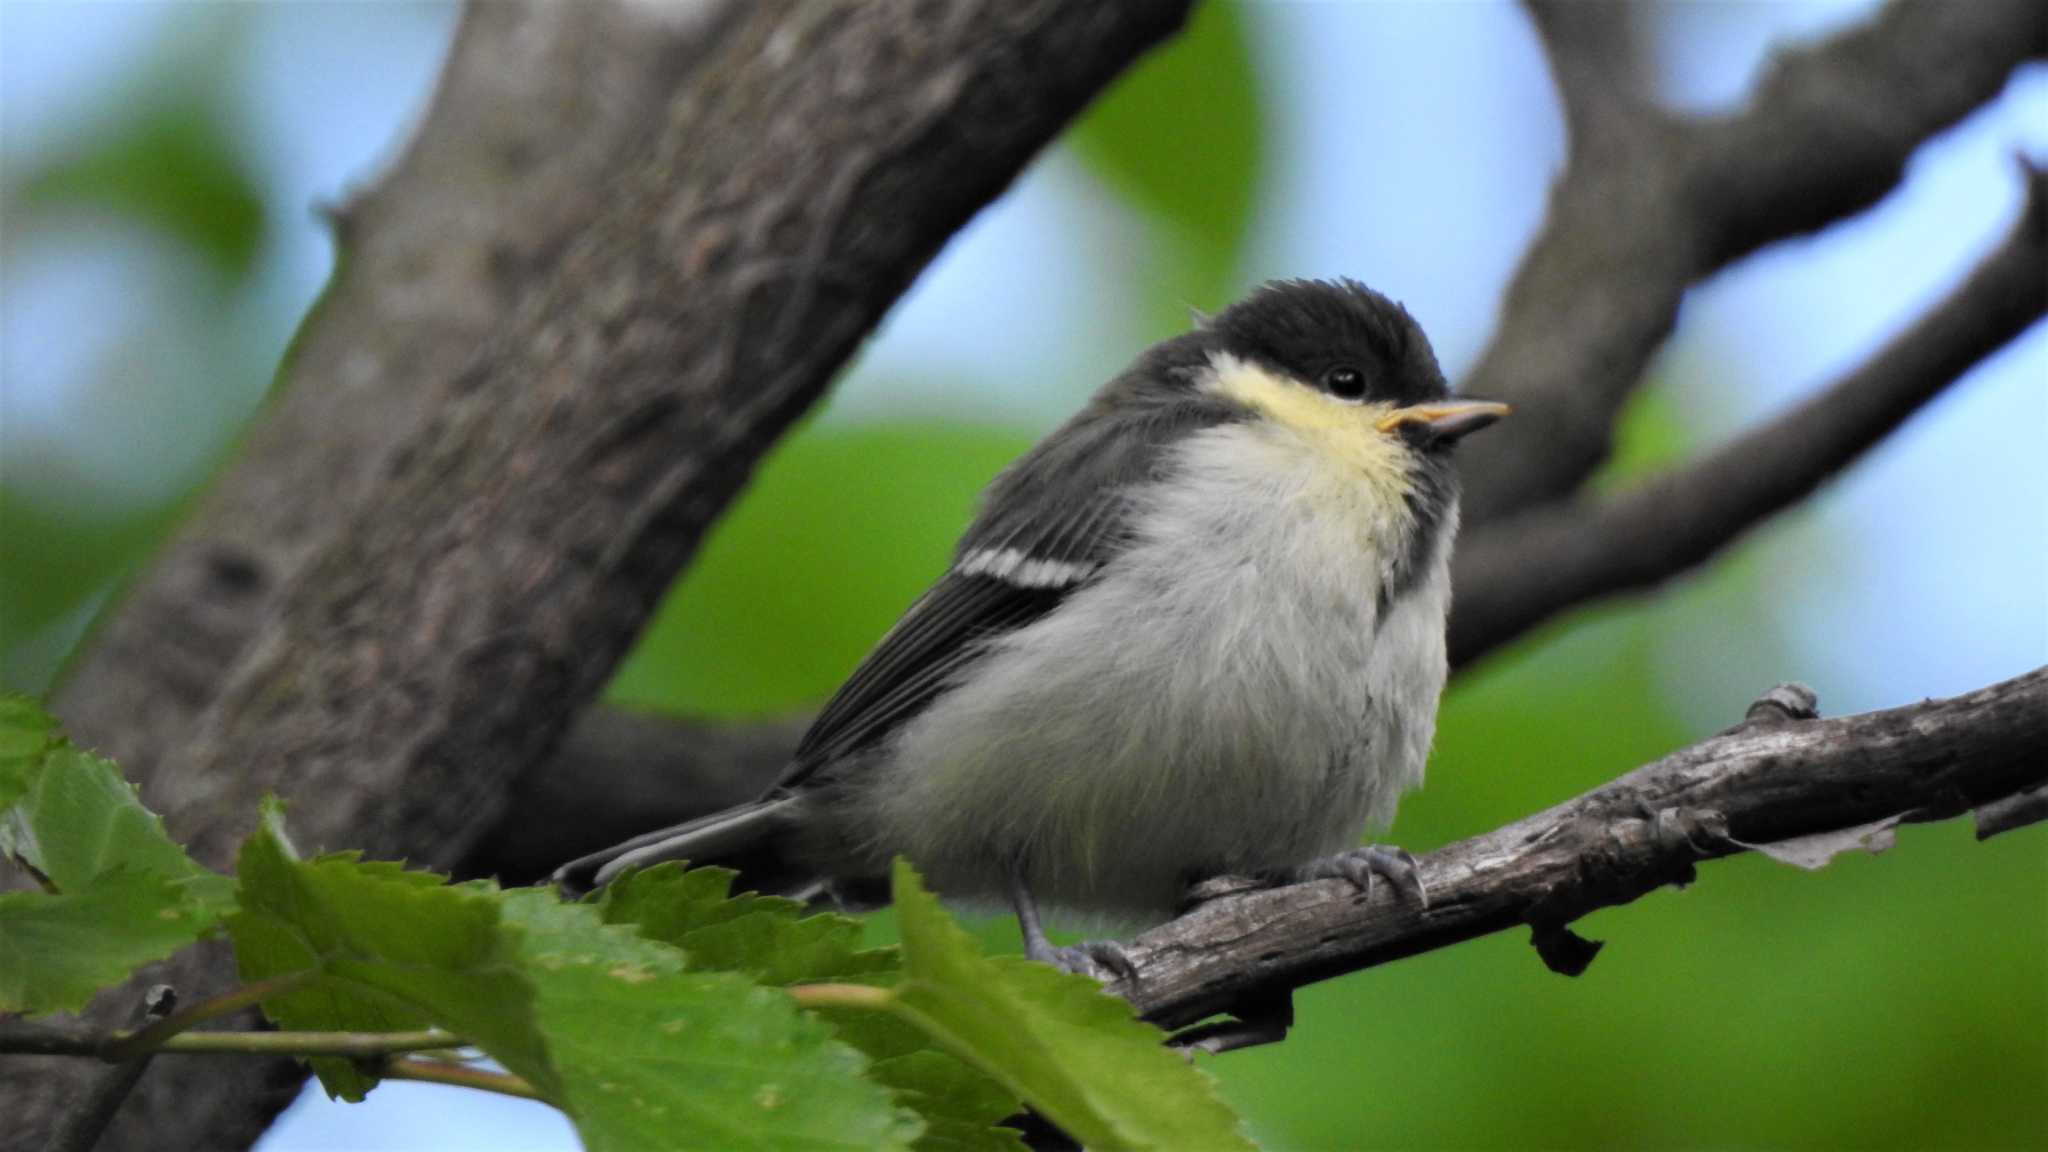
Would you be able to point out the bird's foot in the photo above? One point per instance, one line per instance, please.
(1360, 865)
(1104, 960)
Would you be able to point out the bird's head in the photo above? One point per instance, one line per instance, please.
(1336, 357)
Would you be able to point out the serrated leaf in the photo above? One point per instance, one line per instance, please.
(655, 1057)
(86, 821)
(962, 1108)
(390, 950)
(57, 951)
(125, 893)
(27, 734)
(73, 818)
(767, 937)
(1077, 1055)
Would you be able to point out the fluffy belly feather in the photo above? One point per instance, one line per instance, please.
(1225, 698)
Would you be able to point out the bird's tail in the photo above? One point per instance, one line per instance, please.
(756, 839)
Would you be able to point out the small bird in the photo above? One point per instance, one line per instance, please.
(1196, 631)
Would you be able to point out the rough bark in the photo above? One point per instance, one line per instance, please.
(1822, 784)
(489, 571)
(534, 106)
(534, 110)
(1652, 202)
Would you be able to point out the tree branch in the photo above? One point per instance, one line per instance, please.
(82, 1127)
(1676, 522)
(432, 639)
(1764, 782)
(1651, 203)
(537, 104)
(442, 640)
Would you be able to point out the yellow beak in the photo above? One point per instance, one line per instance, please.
(1446, 419)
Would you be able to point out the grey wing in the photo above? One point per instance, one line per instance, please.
(1048, 526)
(938, 638)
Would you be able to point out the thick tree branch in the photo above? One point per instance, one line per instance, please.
(487, 577)
(1651, 203)
(1513, 575)
(1764, 782)
(536, 105)
(441, 642)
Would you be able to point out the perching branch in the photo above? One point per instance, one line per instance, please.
(1514, 574)
(1651, 203)
(1771, 782)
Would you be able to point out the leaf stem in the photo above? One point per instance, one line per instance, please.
(843, 996)
(461, 1076)
(234, 1000)
(314, 1043)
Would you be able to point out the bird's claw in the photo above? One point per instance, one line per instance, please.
(1098, 959)
(1360, 865)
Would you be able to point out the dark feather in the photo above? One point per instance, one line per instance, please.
(1049, 524)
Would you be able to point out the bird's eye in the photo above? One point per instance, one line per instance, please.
(1345, 383)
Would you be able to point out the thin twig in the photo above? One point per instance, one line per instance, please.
(461, 1076)
(211, 1008)
(313, 1043)
(842, 996)
(33, 1038)
(2013, 812)
(83, 1125)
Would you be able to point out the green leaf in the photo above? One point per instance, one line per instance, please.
(125, 893)
(1182, 135)
(27, 736)
(655, 1057)
(767, 937)
(57, 951)
(962, 1108)
(1074, 1053)
(71, 816)
(391, 950)
(83, 821)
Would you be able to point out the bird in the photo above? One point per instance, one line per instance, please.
(1196, 631)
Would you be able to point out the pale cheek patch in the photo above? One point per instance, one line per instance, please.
(1012, 566)
(1343, 433)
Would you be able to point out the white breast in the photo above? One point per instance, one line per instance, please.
(1223, 699)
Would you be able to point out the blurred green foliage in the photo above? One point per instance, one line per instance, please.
(1885, 1002)
(840, 529)
(1182, 136)
(163, 155)
(172, 167)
